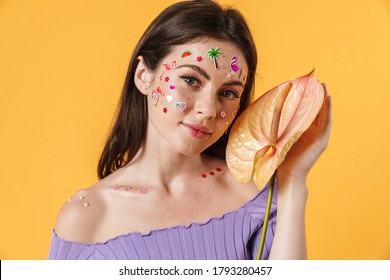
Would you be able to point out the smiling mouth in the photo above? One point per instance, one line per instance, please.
(197, 131)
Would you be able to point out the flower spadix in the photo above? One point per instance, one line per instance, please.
(266, 130)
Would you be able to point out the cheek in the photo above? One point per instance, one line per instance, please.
(228, 112)
(167, 97)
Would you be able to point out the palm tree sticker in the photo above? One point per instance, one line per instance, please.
(214, 55)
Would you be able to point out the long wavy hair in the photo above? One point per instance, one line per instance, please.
(180, 23)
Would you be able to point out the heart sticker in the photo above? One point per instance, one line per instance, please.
(169, 98)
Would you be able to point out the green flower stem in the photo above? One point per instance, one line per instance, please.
(266, 216)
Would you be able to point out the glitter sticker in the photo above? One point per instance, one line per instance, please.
(199, 59)
(219, 169)
(214, 55)
(229, 75)
(167, 79)
(185, 54)
(144, 190)
(182, 106)
(172, 87)
(204, 175)
(128, 188)
(169, 98)
(223, 114)
(169, 66)
(165, 110)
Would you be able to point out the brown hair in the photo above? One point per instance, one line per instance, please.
(178, 24)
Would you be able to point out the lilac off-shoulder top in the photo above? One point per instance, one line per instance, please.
(234, 235)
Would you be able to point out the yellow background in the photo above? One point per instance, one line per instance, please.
(62, 66)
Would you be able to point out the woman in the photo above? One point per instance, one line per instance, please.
(165, 190)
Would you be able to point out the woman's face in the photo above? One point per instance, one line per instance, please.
(195, 94)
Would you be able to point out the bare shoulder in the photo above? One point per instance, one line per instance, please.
(78, 219)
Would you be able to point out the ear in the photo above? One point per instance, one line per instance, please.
(143, 77)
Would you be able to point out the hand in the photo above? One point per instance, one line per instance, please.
(309, 147)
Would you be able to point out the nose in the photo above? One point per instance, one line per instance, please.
(206, 105)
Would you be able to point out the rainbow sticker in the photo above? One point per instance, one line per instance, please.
(185, 54)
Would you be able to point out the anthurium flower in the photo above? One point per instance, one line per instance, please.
(266, 130)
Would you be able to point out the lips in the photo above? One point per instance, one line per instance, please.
(196, 130)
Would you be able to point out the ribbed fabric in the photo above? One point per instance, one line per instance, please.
(235, 235)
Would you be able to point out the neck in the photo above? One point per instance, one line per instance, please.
(162, 166)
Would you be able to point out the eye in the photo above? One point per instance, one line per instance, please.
(229, 94)
(189, 80)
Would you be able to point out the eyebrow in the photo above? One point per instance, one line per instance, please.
(197, 69)
(207, 77)
(234, 83)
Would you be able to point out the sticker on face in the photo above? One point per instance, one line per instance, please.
(169, 66)
(185, 54)
(214, 54)
(233, 64)
(229, 75)
(244, 72)
(169, 98)
(156, 95)
(181, 106)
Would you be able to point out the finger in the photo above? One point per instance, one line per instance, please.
(317, 119)
(325, 115)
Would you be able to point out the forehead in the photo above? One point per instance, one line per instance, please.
(209, 50)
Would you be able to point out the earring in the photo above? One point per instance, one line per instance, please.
(144, 88)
